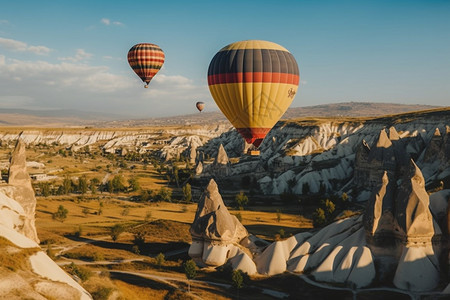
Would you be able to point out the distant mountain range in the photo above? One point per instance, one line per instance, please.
(65, 117)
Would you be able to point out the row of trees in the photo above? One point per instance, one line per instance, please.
(83, 185)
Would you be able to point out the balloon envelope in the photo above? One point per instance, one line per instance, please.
(200, 106)
(253, 83)
(146, 60)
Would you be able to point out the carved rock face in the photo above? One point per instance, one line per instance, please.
(20, 189)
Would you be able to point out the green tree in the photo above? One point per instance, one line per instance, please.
(110, 186)
(187, 193)
(134, 184)
(237, 280)
(160, 260)
(60, 214)
(190, 269)
(139, 239)
(83, 184)
(164, 194)
(45, 188)
(93, 184)
(116, 231)
(117, 184)
(241, 200)
(329, 209)
(278, 216)
(67, 185)
(319, 218)
(146, 195)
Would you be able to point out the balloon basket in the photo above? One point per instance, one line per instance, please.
(253, 152)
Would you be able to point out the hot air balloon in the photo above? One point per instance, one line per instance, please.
(253, 83)
(200, 106)
(146, 60)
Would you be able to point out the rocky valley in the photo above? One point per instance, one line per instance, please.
(392, 171)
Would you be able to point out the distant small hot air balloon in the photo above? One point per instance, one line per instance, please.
(146, 60)
(200, 106)
(253, 83)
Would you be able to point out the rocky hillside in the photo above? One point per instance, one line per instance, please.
(298, 156)
(308, 156)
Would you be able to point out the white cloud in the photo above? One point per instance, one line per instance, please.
(68, 75)
(75, 85)
(108, 22)
(2, 22)
(105, 21)
(18, 46)
(303, 82)
(109, 57)
(79, 56)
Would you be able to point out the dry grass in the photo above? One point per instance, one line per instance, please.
(132, 291)
(97, 253)
(13, 257)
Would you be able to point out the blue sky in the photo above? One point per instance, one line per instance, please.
(72, 54)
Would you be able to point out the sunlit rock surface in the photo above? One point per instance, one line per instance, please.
(396, 241)
(216, 233)
(20, 189)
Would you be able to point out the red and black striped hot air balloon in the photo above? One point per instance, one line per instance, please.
(253, 83)
(146, 60)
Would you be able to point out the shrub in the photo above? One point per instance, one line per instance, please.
(241, 200)
(102, 293)
(278, 216)
(85, 211)
(237, 279)
(139, 239)
(82, 273)
(190, 270)
(164, 195)
(60, 214)
(78, 232)
(160, 260)
(116, 231)
(319, 218)
(187, 194)
(135, 250)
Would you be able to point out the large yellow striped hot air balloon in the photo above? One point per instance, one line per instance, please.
(253, 83)
(146, 60)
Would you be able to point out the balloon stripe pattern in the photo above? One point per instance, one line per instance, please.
(253, 83)
(146, 60)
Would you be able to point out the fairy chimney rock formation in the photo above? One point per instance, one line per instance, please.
(393, 134)
(18, 174)
(221, 165)
(20, 189)
(222, 157)
(199, 169)
(213, 221)
(412, 211)
(215, 232)
(372, 162)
